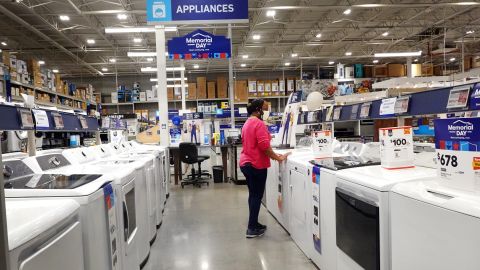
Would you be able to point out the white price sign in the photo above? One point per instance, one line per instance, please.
(388, 106)
(322, 143)
(396, 148)
(41, 119)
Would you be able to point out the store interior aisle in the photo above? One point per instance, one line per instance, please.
(205, 229)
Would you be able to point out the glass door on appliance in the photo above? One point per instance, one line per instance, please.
(358, 228)
(298, 209)
(128, 215)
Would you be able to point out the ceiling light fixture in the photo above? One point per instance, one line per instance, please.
(331, 62)
(347, 12)
(169, 79)
(399, 54)
(375, 61)
(142, 54)
(470, 32)
(256, 37)
(4, 43)
(196, 66)
(55, 71)
(319, 35)
(151, 69)
(243, 65)
(122, 16)
(91, 41)
(452, 59)
(104, 69)
(271, 13)
(112, 60)
(385, 34)
(122, 30)
(177, 86)
(245, 56)
(64, 18)
(41, 62)
(150, 59)
(467, 3)
(137, 40)
(294, 54)
(287, 64)
(348, 53)
(416, 60)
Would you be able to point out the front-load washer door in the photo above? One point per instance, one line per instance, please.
(358, 229)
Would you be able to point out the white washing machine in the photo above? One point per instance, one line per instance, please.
(434, 227)
(93, 192)
(362, 214)
(44, 234)
(123, 180)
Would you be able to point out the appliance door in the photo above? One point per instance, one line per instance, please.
(358, 228)
(130, 228)
(298, 210)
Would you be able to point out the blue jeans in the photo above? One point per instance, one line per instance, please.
(256, 180)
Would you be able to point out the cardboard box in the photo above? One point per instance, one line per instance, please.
(149, 95)
(201, 87)
(368, 71)
(268, 88)
(170, 93)
(275, 88)
(22, 67)
(114, 97)
(13, 63)
(241, 91)
(143, 96)
(222, 87)
(192, 91)
(380, 71)
(427, 70)
(290, 85)
(212, 90)
(252, 87)
(177, 93)
(260, 88)
(396, 70)
(282, 88)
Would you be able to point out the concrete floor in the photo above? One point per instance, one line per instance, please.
(204, 229)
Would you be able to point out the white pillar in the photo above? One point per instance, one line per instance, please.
(409, 68)
(184, 86)
(230, 80)
(4, 250)
(162, 85)
(31, 143)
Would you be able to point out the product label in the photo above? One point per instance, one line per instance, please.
(316, 228)
(396, 148)
(322, 143)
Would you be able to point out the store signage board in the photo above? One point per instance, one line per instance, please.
(458, 97)
(337, 113)
(193, 116)
(41, 119)
(396, 147)
(365, 110)
(58, 120)
(457, 142)
(402, 105)
(199, 44)
(322, 144)
(106, 122)
(83, 122)
(475, 97)
(354, 114)
(164, 12)
(387, 108)
(26, 118)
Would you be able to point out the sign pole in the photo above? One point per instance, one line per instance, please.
(4, 254)
(230, 80)
(182, 77)
(162, 84)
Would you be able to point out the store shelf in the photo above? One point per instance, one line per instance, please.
(46, 103)
(269, 97)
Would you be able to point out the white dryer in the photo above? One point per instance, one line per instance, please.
(434, 227)
(362, 214)
(44, 235)
(93, 192)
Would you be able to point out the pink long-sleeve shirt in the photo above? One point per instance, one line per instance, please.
(256, 140)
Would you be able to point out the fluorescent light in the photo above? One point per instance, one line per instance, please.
(176, 85)
(91, 41)
(452, 59)
(245, 56)
(112, 60)
(55, 71)
(467, 3)
(151, 69)
(243, 65)
(370, 5)
(287, 64)
(169, 79)
(122, 16)
(348, 53)
(271, 13)
(319, 35)
(375, 61)
(416, 60)
(121, 30)
(137, 40)
(150, 59)
(399, 54)
(385, 34)
(196, 66)
(294, 54)
(347, 12)
(64, 18)
(0, 50)
(41, 62)
(470, 32)
(100, 73)
(331, 62)
(104, 69)
(256, 37)
(4, 43)
(141, 54)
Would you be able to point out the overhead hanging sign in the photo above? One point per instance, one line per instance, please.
(199, 45)
(41, 119)
(388, 106)
(197, 12)
(475, 97)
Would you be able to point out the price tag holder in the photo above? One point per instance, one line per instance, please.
(41, 119)
(396, 147)
(458, 152)
(322, 143)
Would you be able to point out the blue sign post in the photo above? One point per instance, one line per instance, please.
(198, 45)
(195, 11)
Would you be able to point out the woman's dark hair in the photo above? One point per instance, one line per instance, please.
(255, 106)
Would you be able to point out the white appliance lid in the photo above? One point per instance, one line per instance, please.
(51, 181)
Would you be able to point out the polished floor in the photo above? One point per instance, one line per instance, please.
(204, 229)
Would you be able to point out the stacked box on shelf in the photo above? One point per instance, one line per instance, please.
(201, 87)
(241, 91)
(396, 70)
(268, 88)
(252, 87)
(260, 88)
(275, 88)
(290, 85)
(282, 88)
(192, 91)
(212, 90)
(222, 87)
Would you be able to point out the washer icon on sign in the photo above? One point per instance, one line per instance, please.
(159, 10)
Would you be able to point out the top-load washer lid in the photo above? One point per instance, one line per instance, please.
(115, 162)
(51, 181)
(344, 162)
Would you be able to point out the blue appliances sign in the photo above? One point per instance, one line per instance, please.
(199, 44)
(195, 11)
(458, 134)
(475, 97)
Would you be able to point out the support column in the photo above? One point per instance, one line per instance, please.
(409, 68)
(162, 85)
(4, 254)
(31, 143)
(230, 80)
(184, 92)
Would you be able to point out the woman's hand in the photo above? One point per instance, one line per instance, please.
(284, 157)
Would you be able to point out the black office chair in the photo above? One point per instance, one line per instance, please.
(189, 155)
